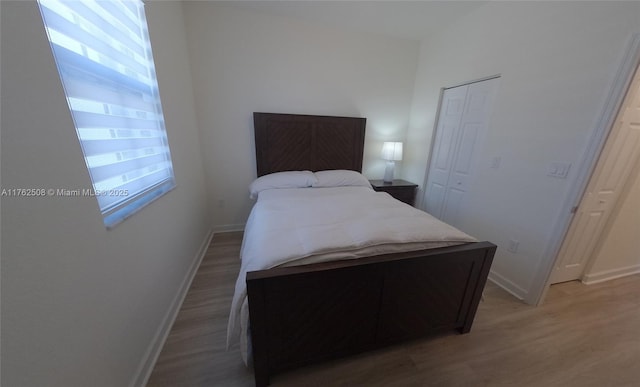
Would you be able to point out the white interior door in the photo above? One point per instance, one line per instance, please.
(462, 123)
(449, 118)
(616, 161)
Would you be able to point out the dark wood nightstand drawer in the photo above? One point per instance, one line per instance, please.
(400, 189)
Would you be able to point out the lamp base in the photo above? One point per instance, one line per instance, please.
(388, 172)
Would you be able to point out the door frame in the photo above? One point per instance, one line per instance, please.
(420, 203)
(586, 167)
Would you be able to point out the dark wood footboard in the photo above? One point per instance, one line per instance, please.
(305, 314)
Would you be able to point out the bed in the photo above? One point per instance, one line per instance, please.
(303, 314)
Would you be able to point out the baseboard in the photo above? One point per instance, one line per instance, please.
(228, 227)
(607, 275)
(507, 285)
(151, 356)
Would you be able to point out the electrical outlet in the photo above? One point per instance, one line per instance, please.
(513, 245)
(495, 162)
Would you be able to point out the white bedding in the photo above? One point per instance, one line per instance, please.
(309, 225)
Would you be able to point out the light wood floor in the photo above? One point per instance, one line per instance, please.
(582, 336)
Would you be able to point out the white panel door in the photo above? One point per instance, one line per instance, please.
(456, 149)
(451, 109)
(618, 157)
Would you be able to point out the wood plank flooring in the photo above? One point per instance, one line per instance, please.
(582, 336)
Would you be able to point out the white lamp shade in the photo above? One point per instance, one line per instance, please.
(392, 151)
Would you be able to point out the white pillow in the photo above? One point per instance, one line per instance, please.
(289, 179)
(340, 178)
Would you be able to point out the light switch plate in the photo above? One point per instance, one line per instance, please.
(558, 169)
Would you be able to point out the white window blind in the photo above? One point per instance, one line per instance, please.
(104, 58)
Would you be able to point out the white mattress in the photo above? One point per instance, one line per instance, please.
(309, 225)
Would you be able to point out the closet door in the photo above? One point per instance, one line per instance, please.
(462, 124)
(447, 129)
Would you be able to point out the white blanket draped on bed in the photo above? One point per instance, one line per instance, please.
(309, 225)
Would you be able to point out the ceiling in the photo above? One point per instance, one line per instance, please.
(401, 19)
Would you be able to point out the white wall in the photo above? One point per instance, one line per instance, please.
(246, 61)
(83, 306)
(619, 249)
(557, 61)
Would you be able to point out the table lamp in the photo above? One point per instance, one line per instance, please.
(392, 152)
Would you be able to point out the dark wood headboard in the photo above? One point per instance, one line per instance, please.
(293, 142)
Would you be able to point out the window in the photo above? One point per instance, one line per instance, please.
(104, 58)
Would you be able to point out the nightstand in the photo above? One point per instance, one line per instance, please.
(400, 189)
